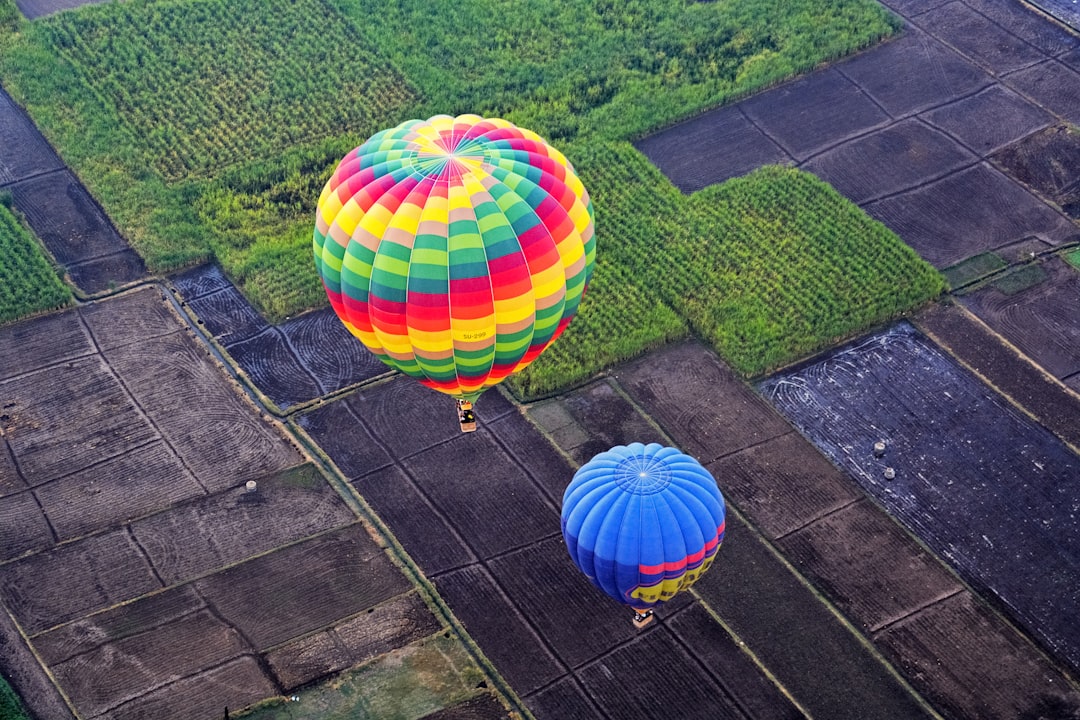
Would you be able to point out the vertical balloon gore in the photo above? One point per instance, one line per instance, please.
(455, 248)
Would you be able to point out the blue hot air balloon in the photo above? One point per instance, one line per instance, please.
(642, 522)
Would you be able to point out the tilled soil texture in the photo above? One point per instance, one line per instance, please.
(77, 232)
(149, 579)
(711, 148)
(293, 363)
(24, 153)
(967, 213)
(890, 160)
(853, 552)
(981, 349)
(1042, 320)
(1053, 84)
(1065, 10)
(984, 486)
(979, 38)
(1048, 162)
(479, 514)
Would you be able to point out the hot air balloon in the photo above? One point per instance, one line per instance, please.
(642, 522)
(456, 249)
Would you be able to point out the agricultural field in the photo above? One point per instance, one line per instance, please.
(766, 268)
(206, 129)
(28, 281)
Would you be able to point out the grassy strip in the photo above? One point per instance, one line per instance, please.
(28, 281)
(1073, 257)
(974, 268)
(767, 268)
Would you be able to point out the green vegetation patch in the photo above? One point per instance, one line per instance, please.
(204, 84)
(614, 68)
(767, 268)
(11, 707)
(205, 127)
(404, 684)
(10, 17)
(1073, 257)
(28, 281)
(1021, 279)
(974, 268)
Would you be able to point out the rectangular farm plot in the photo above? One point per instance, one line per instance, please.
(699, 402)
(964, 659)
(731, 665)
(611, 420)
(326, 349)
(979, 38)
(204, 417)
(562, 699)
(814, 112)
(1053, 85)
(130, 318)
(23, 151)
(10, 482)
(109, 626)
(868, 566)
(405, 417)
(1020, 20)
(500, 630)
(577, 619)
(488, 498)
(114, 673)
(393, 624)
(985, 487)
(421, 528)
(990, 120)
(194, 538)
(899, 157)
(710, 149)
(968, 213)
(75, 579)
(304, 587)
(1043, 320)
(345, 439)
(35, 344)
(913, 72)
(23, 526)
(139, 482)
(782, 484)
(42, 408)
(236, 684)
(62, 213)
(679, 686)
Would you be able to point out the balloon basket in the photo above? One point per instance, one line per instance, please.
(466, 416)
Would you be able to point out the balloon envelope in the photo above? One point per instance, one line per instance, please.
(455, 248)
(642, 522)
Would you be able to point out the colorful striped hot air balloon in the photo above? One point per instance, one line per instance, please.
(643, 522)
(455, 248)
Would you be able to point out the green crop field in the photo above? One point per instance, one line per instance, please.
(10, 706)
(767, 268)
(206, 129)
(28, 282)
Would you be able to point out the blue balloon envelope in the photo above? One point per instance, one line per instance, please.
(642, 522)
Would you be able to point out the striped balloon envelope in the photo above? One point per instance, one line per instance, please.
(643, 522)
(455, 248)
